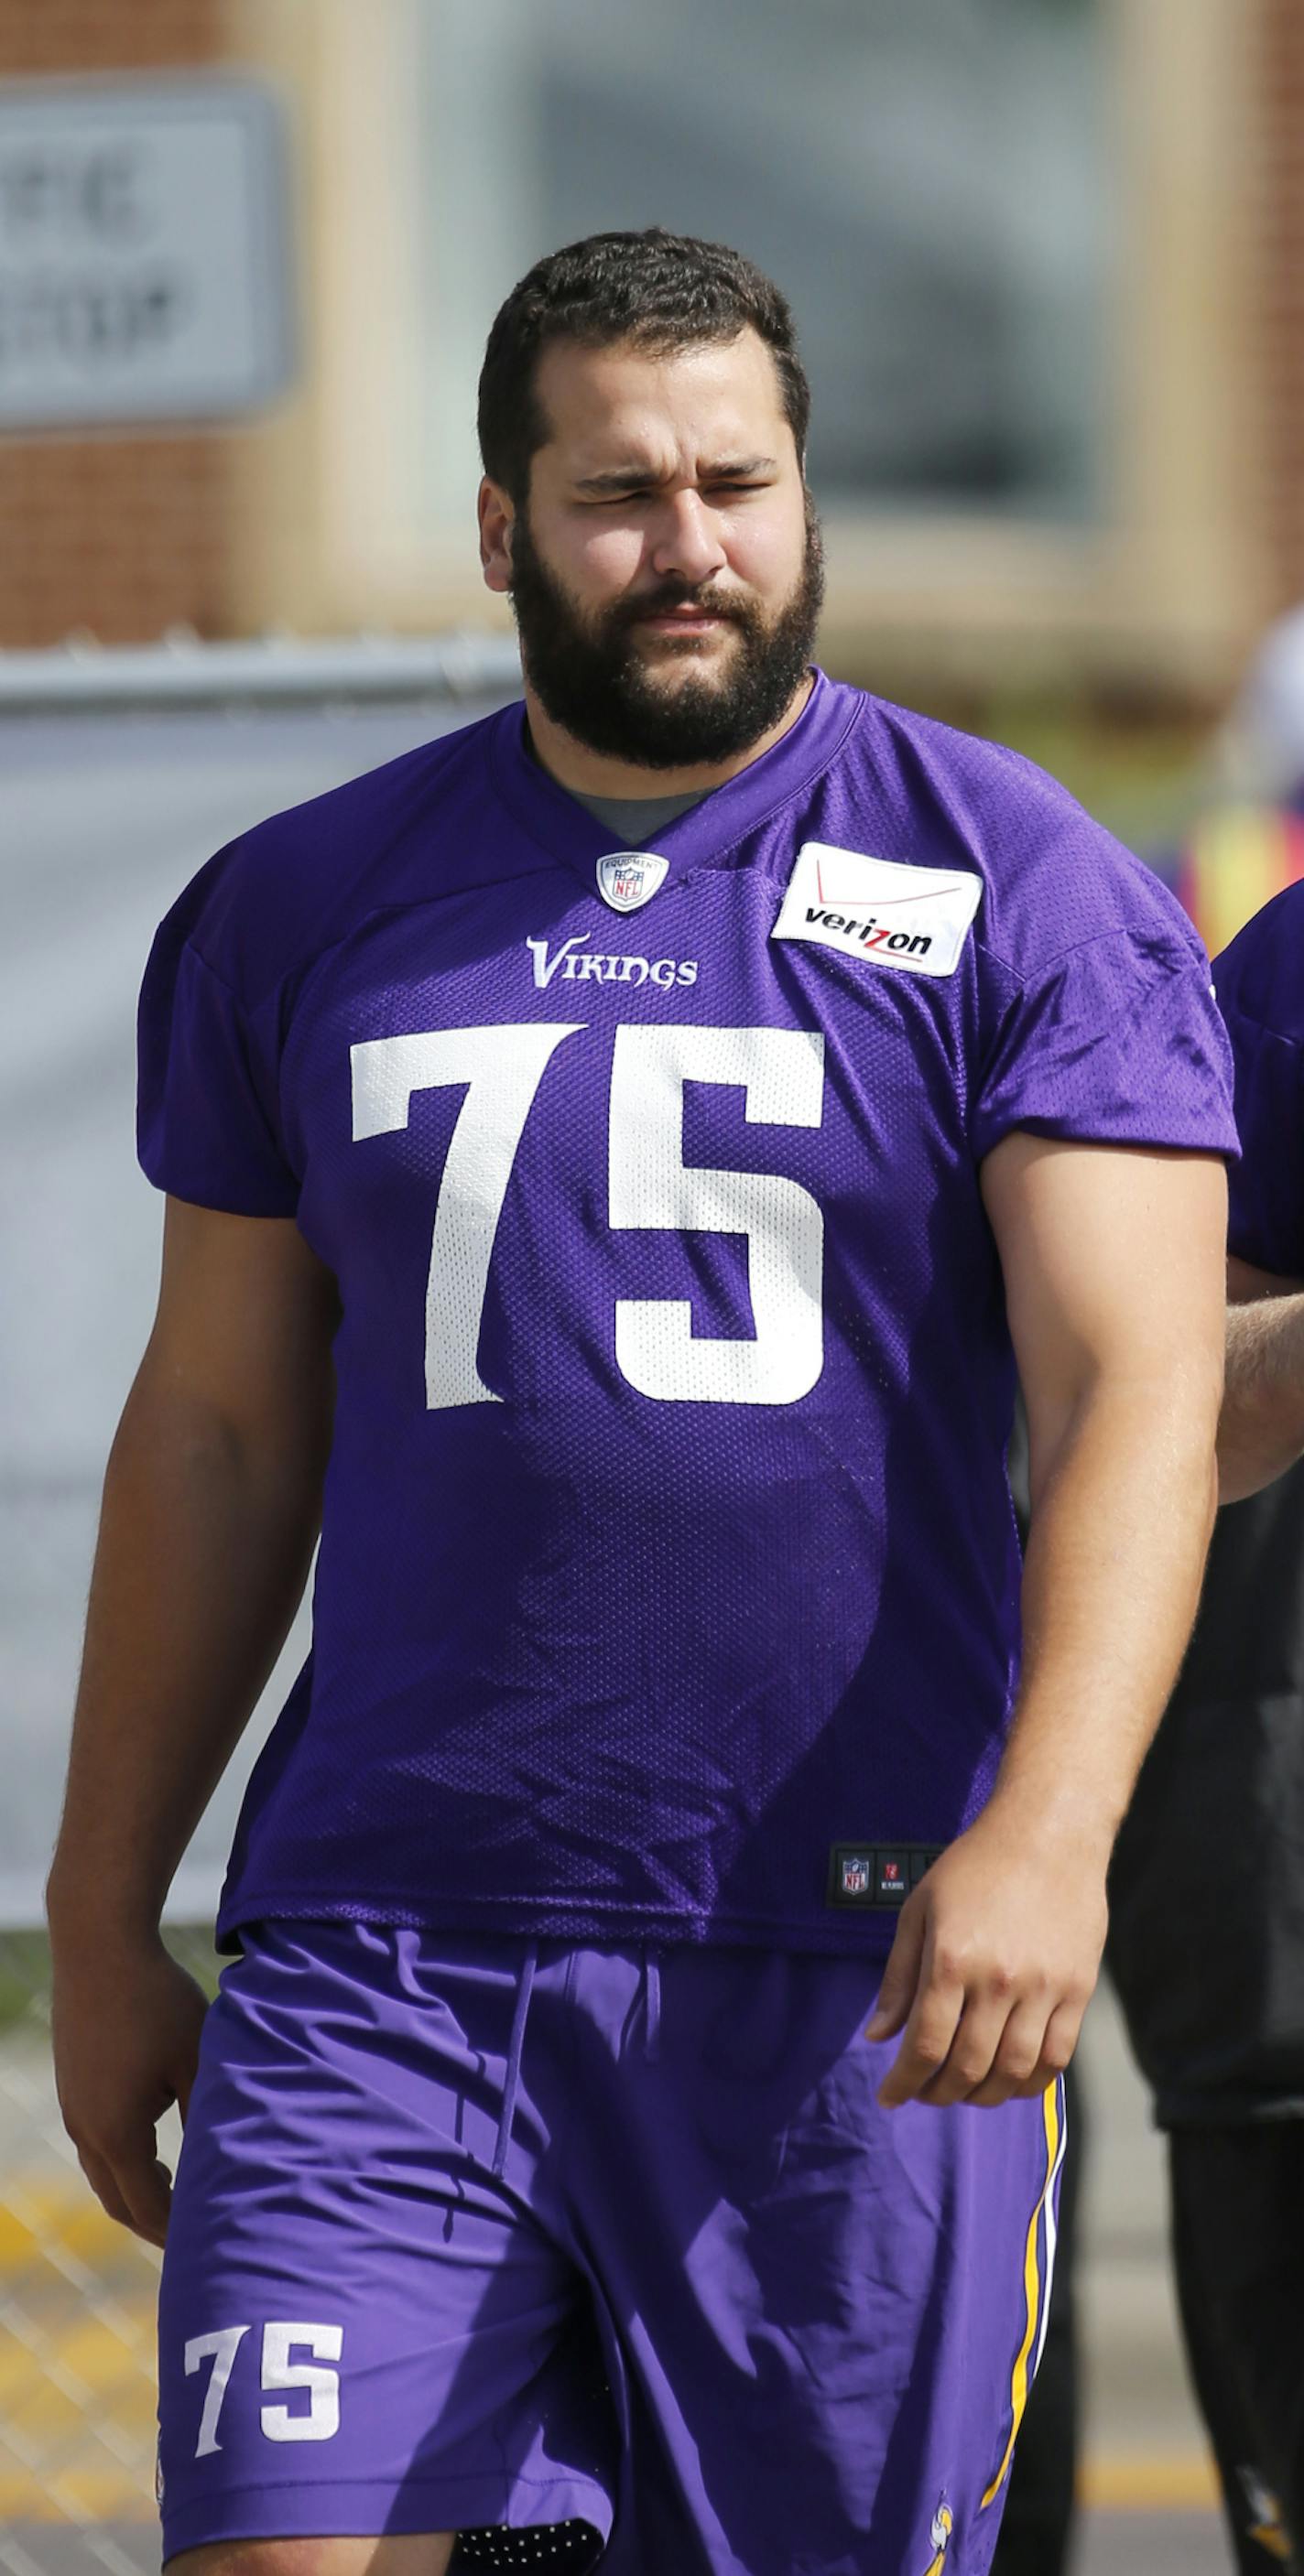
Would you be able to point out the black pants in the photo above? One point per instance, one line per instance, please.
(1037, 2524)
(1238, 2248)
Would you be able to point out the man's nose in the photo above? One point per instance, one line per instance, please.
(685, 538)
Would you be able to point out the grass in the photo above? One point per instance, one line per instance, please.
(25, 1970)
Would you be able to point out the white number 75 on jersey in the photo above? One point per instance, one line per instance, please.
(781, 1073)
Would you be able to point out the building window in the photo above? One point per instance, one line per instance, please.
(928, 185)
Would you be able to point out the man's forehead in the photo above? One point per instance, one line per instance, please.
(722, 395)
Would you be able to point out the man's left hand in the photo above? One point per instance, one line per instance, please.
(993, 1965)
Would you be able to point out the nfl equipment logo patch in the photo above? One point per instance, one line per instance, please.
(854, 1873)
(629, 878)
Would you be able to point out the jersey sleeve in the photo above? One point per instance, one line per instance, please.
(1265, 1023)
(207, 1124)
(1116, 1041)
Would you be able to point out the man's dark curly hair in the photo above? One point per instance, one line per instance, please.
(655, 290)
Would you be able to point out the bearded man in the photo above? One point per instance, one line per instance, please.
(617, 1158)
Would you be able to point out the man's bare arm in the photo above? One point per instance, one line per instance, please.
(1261, 1427)
(211, 1509)
(1113, 1263)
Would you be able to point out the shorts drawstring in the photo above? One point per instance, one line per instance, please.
(515, 2047)
(652, 1984)
(516, 2044)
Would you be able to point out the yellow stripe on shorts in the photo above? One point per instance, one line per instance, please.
(1036, 2279)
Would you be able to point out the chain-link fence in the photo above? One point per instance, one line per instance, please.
(77, 2307)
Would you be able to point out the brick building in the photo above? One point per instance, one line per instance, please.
(121, 536)
(346, 504)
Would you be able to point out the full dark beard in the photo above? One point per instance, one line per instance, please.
(591, 679)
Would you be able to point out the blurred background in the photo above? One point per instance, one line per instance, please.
(1047, 259)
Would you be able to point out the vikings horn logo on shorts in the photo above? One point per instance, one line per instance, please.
(1264, 2516)
(940, 2535)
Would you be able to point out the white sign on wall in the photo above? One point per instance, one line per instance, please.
(144, 267)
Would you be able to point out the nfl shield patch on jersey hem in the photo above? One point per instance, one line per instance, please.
(877, 1876)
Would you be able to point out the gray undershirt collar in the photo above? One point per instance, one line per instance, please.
(631, 820)
(635, 819)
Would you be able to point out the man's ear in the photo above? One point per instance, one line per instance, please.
(496, 513)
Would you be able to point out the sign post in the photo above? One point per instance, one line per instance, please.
(144, 265)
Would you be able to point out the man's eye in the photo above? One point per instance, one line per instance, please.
(644, 492)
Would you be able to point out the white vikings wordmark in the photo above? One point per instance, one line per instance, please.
(577, 963)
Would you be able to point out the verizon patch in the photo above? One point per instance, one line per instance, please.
(916, 919)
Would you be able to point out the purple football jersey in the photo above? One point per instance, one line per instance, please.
(1260, 981)
(668, 1576)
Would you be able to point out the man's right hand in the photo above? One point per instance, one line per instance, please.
(126, 2044)
(212, 1503)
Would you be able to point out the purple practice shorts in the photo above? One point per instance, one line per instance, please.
(471, 2232)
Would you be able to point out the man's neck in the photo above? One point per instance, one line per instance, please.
(595, 773)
